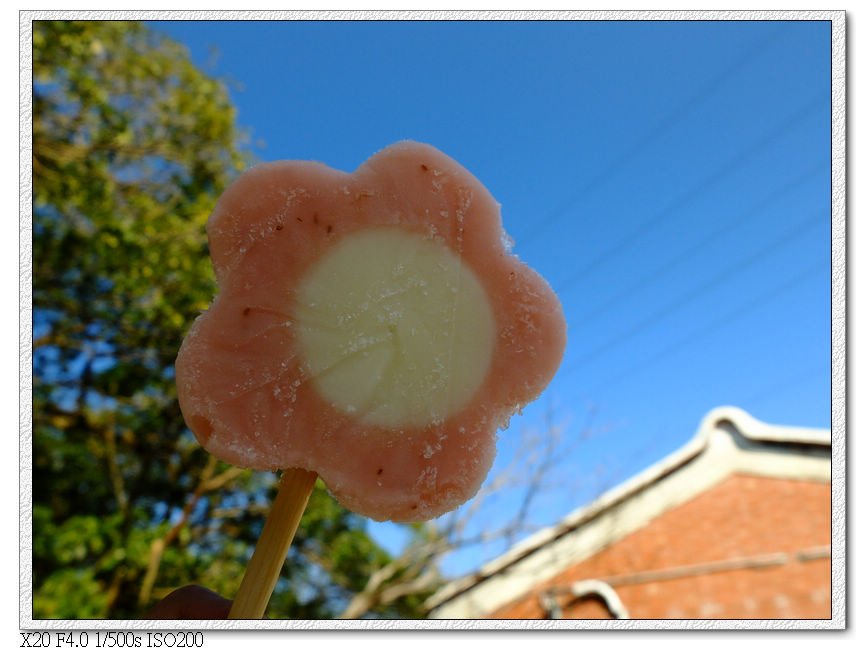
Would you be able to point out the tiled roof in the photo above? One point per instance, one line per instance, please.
(727, 441)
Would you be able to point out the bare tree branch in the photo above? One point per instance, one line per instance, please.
(415, 570)
(158, 546)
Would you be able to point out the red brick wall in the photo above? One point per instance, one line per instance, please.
(742, 517)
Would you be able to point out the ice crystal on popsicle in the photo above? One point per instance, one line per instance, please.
(371, 326)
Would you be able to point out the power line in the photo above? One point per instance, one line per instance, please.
(699, 291)
(679, 344)
(788, 382)
(664, 125)
(727, 227)
(724, 170)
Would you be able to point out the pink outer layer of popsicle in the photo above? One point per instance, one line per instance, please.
(242, 385)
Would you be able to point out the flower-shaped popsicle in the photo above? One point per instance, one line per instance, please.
(372, 327)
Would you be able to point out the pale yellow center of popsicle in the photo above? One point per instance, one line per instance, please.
(394, 328)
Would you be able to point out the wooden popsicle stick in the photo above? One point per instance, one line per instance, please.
(261, 575)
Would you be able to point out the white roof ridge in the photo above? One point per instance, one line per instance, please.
(754, 429)
(744, 423)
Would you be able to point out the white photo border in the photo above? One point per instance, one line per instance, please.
(838, 333)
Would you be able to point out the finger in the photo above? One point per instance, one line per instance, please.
(191, 602)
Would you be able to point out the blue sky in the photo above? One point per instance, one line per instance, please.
(671, 180)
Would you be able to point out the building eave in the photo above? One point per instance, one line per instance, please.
(728, 440)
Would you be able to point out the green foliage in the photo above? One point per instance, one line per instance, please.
(132, 144)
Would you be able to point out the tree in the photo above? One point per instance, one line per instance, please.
(132, 144)
(530, 475)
